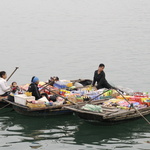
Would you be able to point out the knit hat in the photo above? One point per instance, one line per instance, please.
(35, 79)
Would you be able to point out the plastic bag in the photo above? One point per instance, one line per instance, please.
(94, 108)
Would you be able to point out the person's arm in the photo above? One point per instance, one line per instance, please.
(94, 81)
(30, 89)
(4, 87)
(37, 93)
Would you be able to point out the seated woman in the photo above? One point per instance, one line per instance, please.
(4, 88)
(33, 87)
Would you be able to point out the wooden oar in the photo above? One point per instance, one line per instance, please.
(43, 86)
(12, 73)
(133, 106)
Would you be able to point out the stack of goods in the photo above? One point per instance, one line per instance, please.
(85, 94)
(142, 98)
(109, 94)
(44, 102)
(123, 104)
(37, 103)
(62, 84)
(66, 89)
(89, 93)
(138, 100)
(28, 100)
(145, 101)
(59, 101)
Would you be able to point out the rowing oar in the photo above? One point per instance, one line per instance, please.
(45, 85)
(59, 95)
(133, 106)
(12, 73)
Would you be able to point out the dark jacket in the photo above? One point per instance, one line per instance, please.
(33, 87)
(101, 81)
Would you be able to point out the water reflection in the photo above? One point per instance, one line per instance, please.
(17, 129)
(124, 135)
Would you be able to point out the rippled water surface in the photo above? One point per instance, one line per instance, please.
(69, 39)
(69, 132)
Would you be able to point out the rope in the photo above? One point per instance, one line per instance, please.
(135, 108)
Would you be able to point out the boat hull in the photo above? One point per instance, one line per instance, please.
(4, 104)
(110, 117)
(44, 112)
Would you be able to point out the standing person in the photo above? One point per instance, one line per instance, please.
(33, 87)
(4, 88)
(99, 77)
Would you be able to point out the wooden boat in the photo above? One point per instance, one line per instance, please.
(45, 111)
(110, 115)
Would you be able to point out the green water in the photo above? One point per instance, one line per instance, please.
(69, 132)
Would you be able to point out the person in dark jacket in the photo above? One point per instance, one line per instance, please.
(33, 87)
(99, 77)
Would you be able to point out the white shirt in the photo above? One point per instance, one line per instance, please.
(3, 86)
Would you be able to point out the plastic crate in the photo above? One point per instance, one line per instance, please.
(22, 99)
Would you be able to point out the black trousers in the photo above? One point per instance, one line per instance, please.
(103, 84)
(5, 94)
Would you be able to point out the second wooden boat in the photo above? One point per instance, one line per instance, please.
(110, 115)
